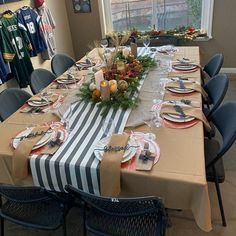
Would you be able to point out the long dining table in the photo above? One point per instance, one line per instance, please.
(178, 177)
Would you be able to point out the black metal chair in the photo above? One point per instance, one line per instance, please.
(214, 65)
(216, 89)
(122, 216)
(224, 119)
(32, 207)
(60, 63)
(39, 79)
(11, 100)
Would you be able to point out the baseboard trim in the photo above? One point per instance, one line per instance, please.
(228, 70)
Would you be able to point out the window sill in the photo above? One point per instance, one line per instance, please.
(202, 39)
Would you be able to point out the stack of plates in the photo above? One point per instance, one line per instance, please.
(167, 49)
(66, 81)
(128, 154)
(177, 118)
(43, 141)
(185, 67)
(179, 90)
(39, 103)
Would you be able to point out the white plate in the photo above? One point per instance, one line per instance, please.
(184, 67)
(38, 103)
(177, 118)
(67, 81)
(45, 139)
(167, 49)
(179, 90)
(127, 155)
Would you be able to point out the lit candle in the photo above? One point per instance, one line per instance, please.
(98, 78)
(126, 52)
(120, 65)
(105, 90)
(113, 86)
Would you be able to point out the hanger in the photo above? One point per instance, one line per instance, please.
(8, 11)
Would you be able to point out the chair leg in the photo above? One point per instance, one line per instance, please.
(64, 227)
(219, 199)
(2, 226)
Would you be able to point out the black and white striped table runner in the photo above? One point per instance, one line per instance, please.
(75, 163)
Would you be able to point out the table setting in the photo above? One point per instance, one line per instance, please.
(132, 154)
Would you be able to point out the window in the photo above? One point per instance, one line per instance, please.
(123, 15)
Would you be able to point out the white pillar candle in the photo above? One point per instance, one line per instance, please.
(105, 90)
(126, 52)
(98, 78)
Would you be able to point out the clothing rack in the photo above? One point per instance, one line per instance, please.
(8, 1)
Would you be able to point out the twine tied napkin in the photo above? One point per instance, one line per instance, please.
(185, 110)
(146, 159)
(110, 166)
(21, 153)
(187, 85)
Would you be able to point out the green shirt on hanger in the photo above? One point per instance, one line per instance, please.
(15, 46)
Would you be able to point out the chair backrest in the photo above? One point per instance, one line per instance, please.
(60, 63)
(39, 79)
(11, 100)
(214, 65)
(224, 119)
(23, 194)
(128, 207)
(216, 89)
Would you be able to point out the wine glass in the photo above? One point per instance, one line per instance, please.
(146, 42)
(104, 44)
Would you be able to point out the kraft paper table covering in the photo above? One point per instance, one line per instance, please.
(110, 167)
(21, 153)
(179, 176)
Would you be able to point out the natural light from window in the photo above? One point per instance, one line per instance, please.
(142, 15)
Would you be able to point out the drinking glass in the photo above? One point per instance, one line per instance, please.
(108, 127)
(146, 42)
(104, 43)
(161, 88)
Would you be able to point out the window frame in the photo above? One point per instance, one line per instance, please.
(206, 20)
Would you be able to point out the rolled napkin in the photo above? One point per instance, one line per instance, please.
(21, 153)
(185, 110)
(188, 85)
(110, 166)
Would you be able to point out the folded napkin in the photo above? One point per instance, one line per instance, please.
(110, 166)
(21, 153)
(185, 110)
(146, 159)
(187, 85)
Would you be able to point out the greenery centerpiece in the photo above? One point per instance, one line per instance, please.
(122, 73)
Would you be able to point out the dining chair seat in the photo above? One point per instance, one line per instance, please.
(61, 63)
(224, 120)
(32, 207)
(11, 100)
(211, 149)
(39, 79)
(122, 216)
